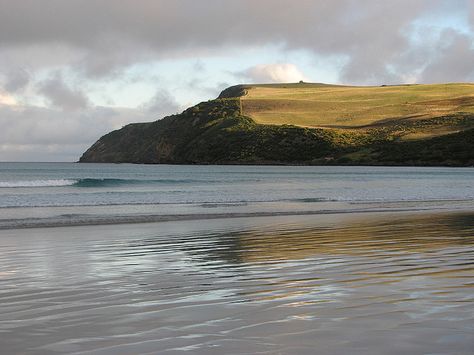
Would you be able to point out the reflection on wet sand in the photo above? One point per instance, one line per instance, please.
(364, 236)
(385, 284)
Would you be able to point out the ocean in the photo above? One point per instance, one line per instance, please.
(70, 193)
(235, 259)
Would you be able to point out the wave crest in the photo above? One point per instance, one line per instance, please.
(88, 182)
(38, 183)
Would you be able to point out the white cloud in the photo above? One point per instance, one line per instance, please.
(274, 73)
(7, 99)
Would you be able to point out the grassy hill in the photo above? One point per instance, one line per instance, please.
(333, 106)
(306, 123)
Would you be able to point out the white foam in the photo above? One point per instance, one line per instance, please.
(37, 183)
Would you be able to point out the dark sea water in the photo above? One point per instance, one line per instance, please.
(68, 193)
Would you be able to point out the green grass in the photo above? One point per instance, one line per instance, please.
(396, 125)
(333, 106)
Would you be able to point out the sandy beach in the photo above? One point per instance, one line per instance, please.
(359, 283)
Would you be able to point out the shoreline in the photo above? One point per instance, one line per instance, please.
(289, 164)
(99, 220)
(142, 288)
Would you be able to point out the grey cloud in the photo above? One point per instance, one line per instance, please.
(161, 104)
(471, 14)
(40, 152)
(186, 22)
(370, 33)
(112, 57)
(36, 133)
(16, 80)
(61, 95)
(209, 91)
(453, 60)
(380, 42)
(63, 132)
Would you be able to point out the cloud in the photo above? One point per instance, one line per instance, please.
(110, 36)
(39, 134)
(77, 45)
(452, 61)
(100, 39)
(274, 73)
(471, 14)
(62, 96)
(64, 131)
(40, 152)
(161, 104)
(7, 99)
(16, 79)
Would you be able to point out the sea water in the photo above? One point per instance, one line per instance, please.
(364, 284)
(340, 260)
(69, 193)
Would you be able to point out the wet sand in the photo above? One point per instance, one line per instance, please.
(42, 217)
(340, 283)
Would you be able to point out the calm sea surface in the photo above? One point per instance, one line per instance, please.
(68, 193)
(327, 284)
(315, 260)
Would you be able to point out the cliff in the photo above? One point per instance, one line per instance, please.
(306, 124)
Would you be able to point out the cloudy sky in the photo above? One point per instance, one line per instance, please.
(72, 70)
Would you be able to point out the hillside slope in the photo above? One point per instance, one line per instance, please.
(342, 106)
(307, 124)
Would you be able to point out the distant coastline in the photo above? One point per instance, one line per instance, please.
(307, 124)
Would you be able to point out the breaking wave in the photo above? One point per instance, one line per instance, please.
(88, 182)
(38, 183)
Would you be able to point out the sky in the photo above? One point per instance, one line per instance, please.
(73, 70)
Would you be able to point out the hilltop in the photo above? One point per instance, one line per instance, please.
(306, 123)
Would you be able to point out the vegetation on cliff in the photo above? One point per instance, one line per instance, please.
(289, 124)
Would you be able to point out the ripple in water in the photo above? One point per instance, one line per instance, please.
(311, 284)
